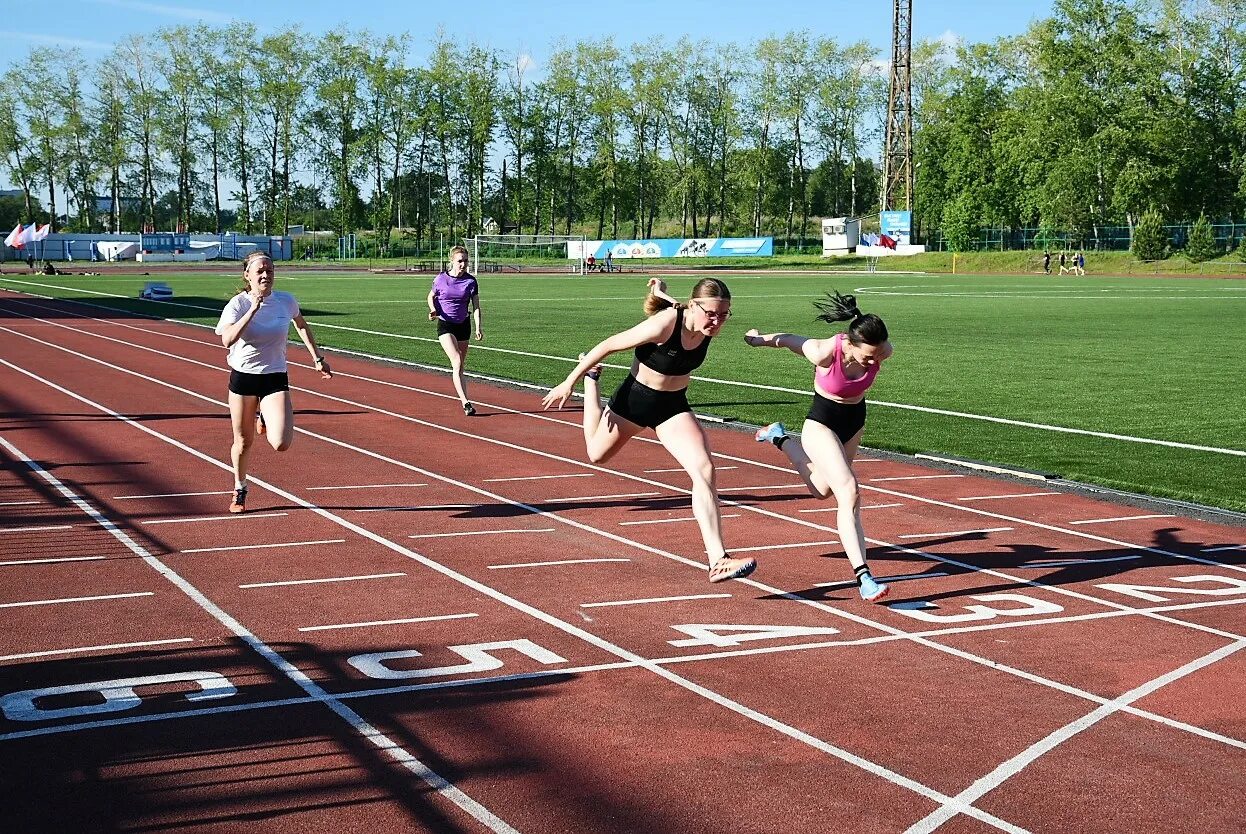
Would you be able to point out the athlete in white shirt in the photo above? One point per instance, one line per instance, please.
(255, 326)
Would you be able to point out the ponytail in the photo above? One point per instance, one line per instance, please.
(658, 300)
(863, 328)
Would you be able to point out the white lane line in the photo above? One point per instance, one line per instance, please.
(913, 478)
(670, 520)
(863, 506)
(260, 546)
(389, 622)
(763, 486)
(1060, 563)
(35, 529)
(600, 497)
(321, 581)
(18, 503)
(1224, 548)
(1016, 764)
(1120, 518)
(171, 495)
(103, 648)
(478, 533)
(954, 533)
(1010, 495)
(367, 486)
(541, 477)
(782, 546)
(904, 577)
(680, 469)
(76, 599)
(559, 562)
(230, 517)
(317, 693)
(651, 600)
(416, 507)
(58, 559)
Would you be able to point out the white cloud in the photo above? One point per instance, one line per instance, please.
(56, 40)
(180, 12)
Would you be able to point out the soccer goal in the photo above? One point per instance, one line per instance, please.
(526, 253)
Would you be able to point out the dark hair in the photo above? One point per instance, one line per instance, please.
(864, 328)
(705, 288)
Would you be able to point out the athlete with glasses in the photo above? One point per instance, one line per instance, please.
(845, 366)
(454, 295)
(669, 345)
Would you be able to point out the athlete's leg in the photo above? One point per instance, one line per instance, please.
(456, 352)
(278, 411)
(684, 438)
(242, 418)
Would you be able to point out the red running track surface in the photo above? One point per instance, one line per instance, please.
(427, 622)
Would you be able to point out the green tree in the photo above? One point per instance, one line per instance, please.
(1201, 244)
(1150, 242)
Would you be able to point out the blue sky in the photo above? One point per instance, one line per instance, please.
(515, 27)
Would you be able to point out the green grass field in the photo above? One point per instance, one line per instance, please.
(1147, 359)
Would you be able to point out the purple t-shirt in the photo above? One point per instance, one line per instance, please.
(451, 296)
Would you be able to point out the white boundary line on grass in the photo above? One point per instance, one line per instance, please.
(943, 412)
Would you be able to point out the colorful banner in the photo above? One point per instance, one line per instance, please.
(701, 247)
(898, 226)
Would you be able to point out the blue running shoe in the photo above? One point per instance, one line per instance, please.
(770, 433)
(872, 591)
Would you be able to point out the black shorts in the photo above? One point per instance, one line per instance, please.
(647, 406)
(258, 385)
(461, 330)
(843, 419)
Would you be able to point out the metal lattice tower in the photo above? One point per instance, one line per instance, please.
(898, 142)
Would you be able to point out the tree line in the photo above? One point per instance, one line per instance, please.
(1094, 115)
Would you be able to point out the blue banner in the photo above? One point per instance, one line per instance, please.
(702, 247)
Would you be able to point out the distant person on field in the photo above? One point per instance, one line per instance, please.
(255, 327)
(609, 261)
(1080, 263)
(1047, 263)
(590, 263)
(1064, 269)
(845, 366)
(669, 345)
(454, 303)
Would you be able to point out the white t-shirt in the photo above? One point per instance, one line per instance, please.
(261, 349)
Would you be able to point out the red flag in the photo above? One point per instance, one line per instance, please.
(884, 240)
(15, 238)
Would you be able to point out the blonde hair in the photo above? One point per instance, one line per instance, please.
(705, 288)
(246, 264)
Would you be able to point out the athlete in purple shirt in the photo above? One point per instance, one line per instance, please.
(454, 295)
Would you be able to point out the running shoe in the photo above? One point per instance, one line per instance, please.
(729, 567)
(469, 409)
(872, 591)
(770, 433)
(239, 504)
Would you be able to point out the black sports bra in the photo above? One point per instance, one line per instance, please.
(670, 358)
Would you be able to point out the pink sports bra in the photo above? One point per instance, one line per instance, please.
(832, 380)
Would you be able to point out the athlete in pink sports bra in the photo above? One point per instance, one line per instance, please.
(845, 367)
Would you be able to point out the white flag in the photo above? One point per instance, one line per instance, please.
(15, 238)
(43, 231)
(28, 234)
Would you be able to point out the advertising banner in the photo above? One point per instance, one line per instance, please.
(702, 247)
(897, 225)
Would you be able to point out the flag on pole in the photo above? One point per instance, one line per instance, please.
(42, 232)
(887, 241)
(28, 234)
(15, 238)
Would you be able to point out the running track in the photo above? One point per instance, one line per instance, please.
(432, 623)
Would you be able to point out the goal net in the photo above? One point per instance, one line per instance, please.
(526, 253)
